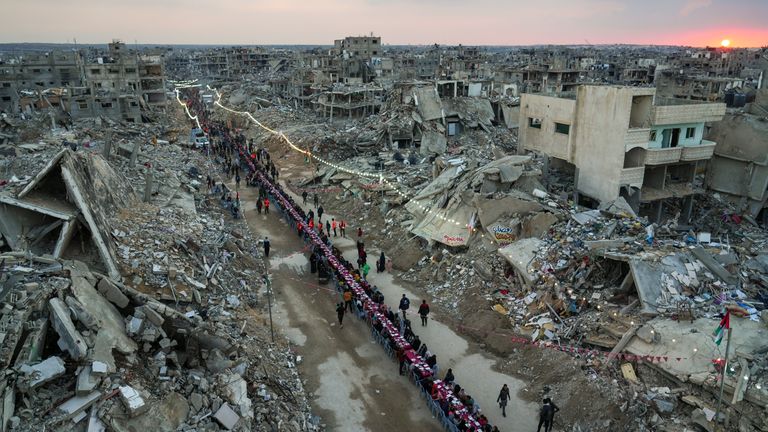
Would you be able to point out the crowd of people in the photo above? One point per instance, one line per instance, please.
(457, 410)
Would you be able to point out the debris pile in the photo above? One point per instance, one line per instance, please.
(127, 313)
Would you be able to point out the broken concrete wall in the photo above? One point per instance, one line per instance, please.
(68, 184)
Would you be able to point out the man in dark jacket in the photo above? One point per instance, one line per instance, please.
(404, 304)
(266, 247)
(547, 415)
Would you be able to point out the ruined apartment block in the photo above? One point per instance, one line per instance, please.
(116, 86)
(623, 142)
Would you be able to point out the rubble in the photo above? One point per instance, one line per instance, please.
(148, 332)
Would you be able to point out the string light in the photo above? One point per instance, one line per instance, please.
(307, 153)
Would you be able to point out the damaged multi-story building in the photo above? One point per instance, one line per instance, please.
(121, 84)
(622, 141)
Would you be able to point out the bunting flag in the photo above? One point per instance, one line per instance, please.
(725, 324)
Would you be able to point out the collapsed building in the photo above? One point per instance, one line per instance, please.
(121, 313)
(120, 85)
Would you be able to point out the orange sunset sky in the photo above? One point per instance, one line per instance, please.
(476, 22)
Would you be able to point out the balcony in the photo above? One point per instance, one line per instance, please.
(703, 151)
(661, 156)
(636, 138)
(632, 176)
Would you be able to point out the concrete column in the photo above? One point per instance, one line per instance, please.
(333, 100)
(148, 180)
(575, 185)
(107, 147)
(134, 155)
(687, 209)
(658, 210)
(545, 171)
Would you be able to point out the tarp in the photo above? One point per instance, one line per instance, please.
(450, 232)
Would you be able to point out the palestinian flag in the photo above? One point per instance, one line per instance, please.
(725, 324)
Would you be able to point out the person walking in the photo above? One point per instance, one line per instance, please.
(380, 263)
(348, 299)
(547, 415)
(502, 399)
(343, 228)
(304, 196)
(266, 205)
(266, 247)
(340, 314)
(423, 312)
(327, 227)
(237, 181)
(316, 199)
(365, 268)
(320, 214)
(405, 303)
(259, 204)
(333, 226)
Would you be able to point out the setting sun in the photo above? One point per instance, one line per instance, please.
(725, 42)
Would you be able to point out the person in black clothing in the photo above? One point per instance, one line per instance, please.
(405, 303)
(547, 415)
(381, 263)
(449, 378)
(502, 399)
(340, 314)
(320, 214)
(416, 343)
(432, 360)
(266, 247)
(304, 196)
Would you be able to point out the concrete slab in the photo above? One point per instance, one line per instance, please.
(65, 328)
(112, 334)
(164, 416)
(86, 381)
(78, 404)
(519, 254)
(226, 417)
(112, 293)
(132, 400)
(43, 372)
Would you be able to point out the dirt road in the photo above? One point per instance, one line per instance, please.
(355, 385)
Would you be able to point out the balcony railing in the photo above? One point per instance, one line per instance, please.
(632, 176)
(661, 156)
(636, 138)
(700, 152)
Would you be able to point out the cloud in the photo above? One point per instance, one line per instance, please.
(692, 5)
